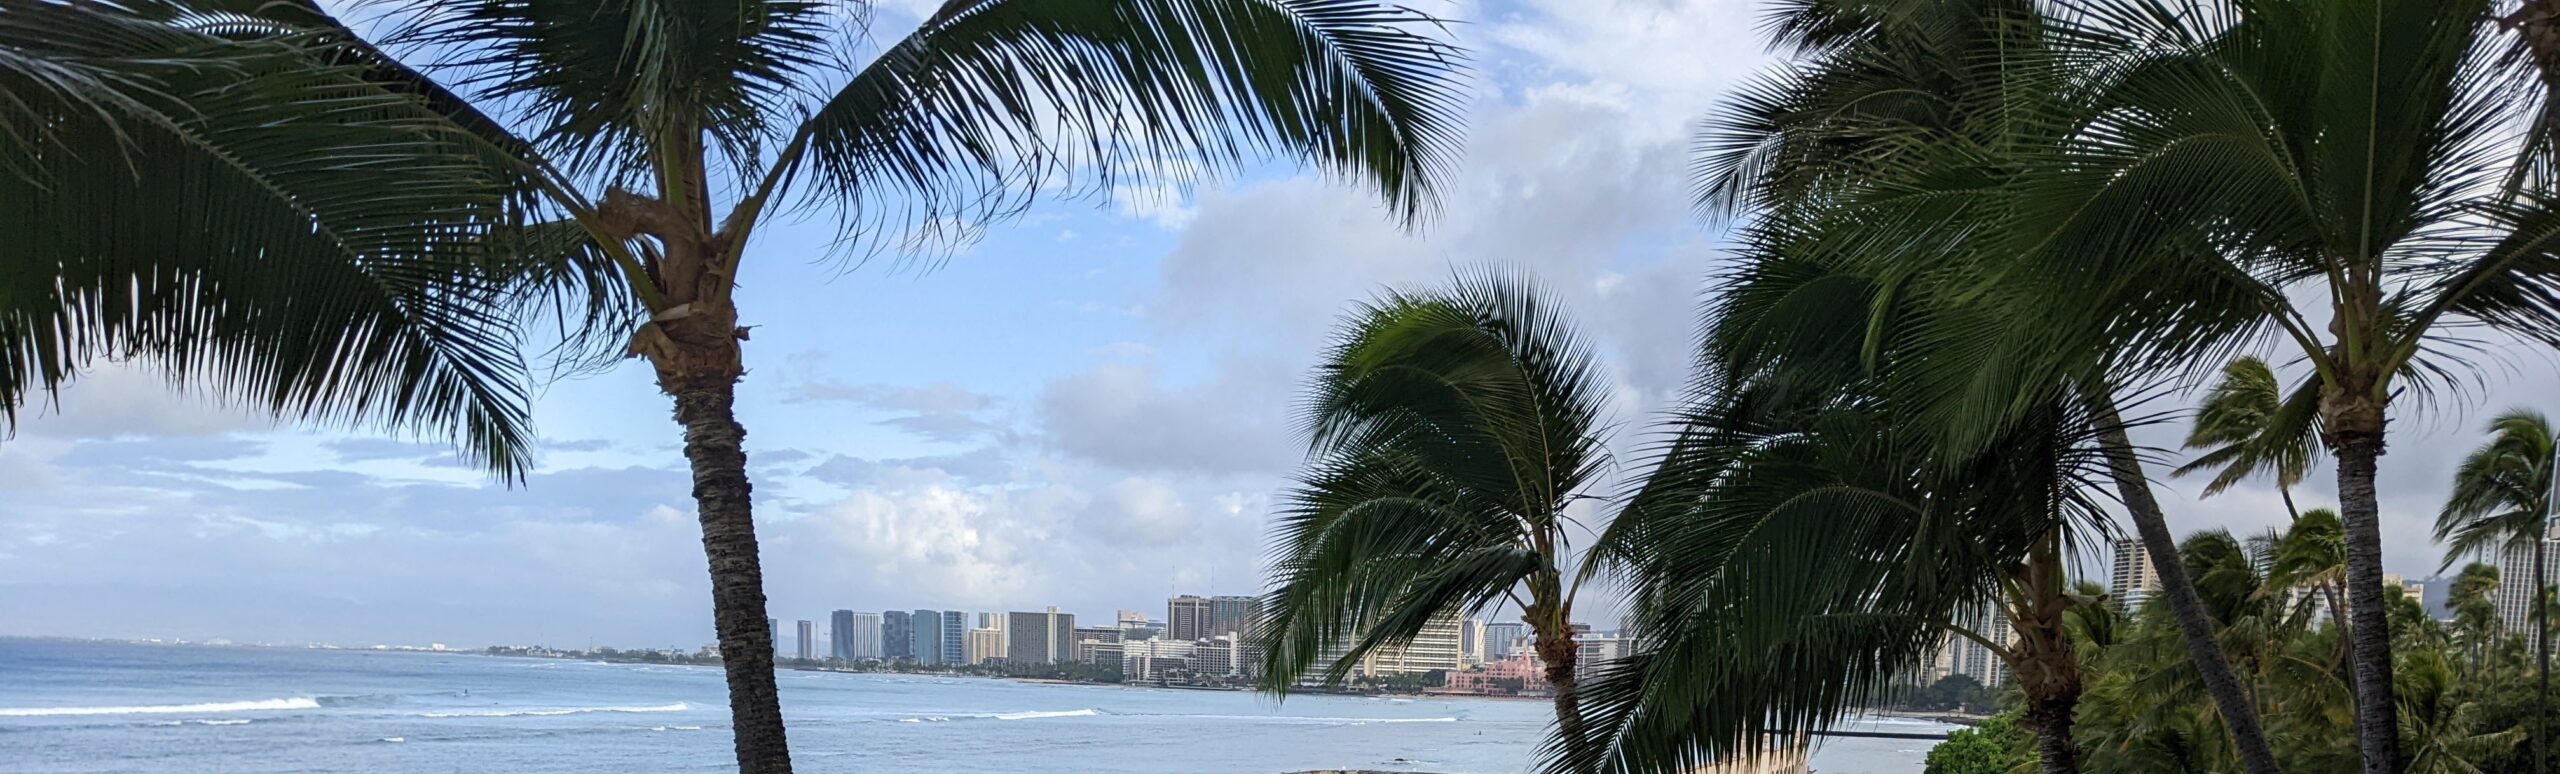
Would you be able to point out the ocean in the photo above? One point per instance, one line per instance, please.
(112, 707)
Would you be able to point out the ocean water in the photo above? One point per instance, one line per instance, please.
(99, 707)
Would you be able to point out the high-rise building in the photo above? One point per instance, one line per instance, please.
(1157, 659)
(1592, 654)
(854, 636)
(897, 636)
(984, 644)
(1217, 656)
(773, 628)
(1433, 648)
(991, 621)
(2515, 581)
(1097, 645)
(1470, 643)
(1502, 638)
(1039, 638)
(1964, 656)
(2133, 578)
(924, 639)
(1186, 618)
(808, 639)
(1234, 615)
(955, 637)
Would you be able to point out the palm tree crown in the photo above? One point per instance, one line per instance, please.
(1450, 430)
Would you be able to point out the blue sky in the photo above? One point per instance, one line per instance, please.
(1090, 407)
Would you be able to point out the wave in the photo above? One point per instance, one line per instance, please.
(230, 722)
(395, 739)
(676, 707)
(1074, 713)
(262, 705)
(676, 728)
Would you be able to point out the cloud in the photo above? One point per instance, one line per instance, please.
(1121, 415)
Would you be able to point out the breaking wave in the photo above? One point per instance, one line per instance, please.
(676, 707)
(263, 705)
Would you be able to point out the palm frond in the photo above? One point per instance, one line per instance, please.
(993, 101)
(252, 218)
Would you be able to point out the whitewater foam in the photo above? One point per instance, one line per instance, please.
(264, 705)
(676, 707)
(1075, 713)
(395, 739)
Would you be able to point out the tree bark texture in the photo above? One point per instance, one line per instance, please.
(699, 365)
(2377, 716)
(2239, 713)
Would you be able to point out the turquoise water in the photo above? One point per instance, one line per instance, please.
(94, 707)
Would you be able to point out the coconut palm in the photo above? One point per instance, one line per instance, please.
(1792, 557)
(2501, 501)
(2248, 425)
(251, 219)
(659, 137)
(1892, 133)
(1449, 430)
(2265, 165)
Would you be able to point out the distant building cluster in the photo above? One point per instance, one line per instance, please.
(1200, 640)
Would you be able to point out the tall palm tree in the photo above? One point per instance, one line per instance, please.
(2249, 424)
(1897, 127)
(2502, 501)
(658, 137)
(1449, 432)
(252, 219)
(2268, 164)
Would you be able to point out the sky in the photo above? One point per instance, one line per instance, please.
(1091, 407)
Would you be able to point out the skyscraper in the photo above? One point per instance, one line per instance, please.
(1186, 618)
(1039, 638)
(840, 635)
(955, 637)
(1232, 615)
(2133, 578)
(897, 633)
(1503, 637)
(1470, 642)
(924, 638)
(773, 628)
(808, 639)
(984, 644)
(854, 635)
(2515, 581)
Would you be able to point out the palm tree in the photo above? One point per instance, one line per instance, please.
(660, 136)
(2249, 425)
(2264, 165)
(1449, 431)
(2502, 501)
(1899, 126)
(1793, 556)
(250, 219)
(2475, 617)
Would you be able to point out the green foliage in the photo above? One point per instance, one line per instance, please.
(1953, 693)
(1998, 746)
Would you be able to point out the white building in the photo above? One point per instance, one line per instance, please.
(2133, 579)
(2515, 581)
(1157, 659)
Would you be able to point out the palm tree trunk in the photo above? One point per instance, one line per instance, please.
(2239, 714)
(701, 373)
(2046, 666)
(1551, 622)
(2377, 723)
(1557, 649)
